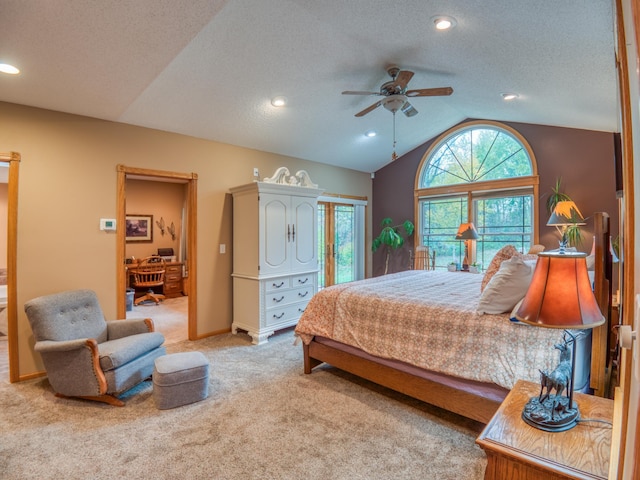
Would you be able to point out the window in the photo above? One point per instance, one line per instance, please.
(482, 172)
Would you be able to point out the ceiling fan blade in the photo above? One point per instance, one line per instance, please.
(429, 92)
(369, 109)
(409, 110)
(356, 92)
(403, 78)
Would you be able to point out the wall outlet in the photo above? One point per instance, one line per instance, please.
(256, 172)
(223, 248)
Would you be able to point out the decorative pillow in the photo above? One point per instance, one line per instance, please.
(507, 287)
(505, 253)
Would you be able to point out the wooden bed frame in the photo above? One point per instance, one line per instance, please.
(459, 398)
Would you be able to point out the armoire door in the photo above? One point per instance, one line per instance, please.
(304, 234)
(276, 244)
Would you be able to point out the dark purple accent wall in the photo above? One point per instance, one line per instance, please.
(584, 159)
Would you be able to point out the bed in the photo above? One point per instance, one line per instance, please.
(420, 333)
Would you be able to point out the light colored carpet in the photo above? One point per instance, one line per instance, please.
(264, 419)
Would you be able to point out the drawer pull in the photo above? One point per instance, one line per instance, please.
(278, 317)
(278, 300)
(301, 310)
(278, 286)
(303, 294)
(303, 281)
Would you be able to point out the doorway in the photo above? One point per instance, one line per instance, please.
(340, 241)
(187, 232)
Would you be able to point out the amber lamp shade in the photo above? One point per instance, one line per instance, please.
(560, 294)
(466, 232)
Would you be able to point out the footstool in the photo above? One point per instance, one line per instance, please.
(180, 379)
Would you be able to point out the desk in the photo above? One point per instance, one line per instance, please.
(518, 451)
(172, 278)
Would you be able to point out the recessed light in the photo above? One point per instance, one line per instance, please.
(278, 101)
(444, 22)
(509, 96)
(370, 133)
(10, 69)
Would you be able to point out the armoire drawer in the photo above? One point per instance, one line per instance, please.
(285, 313)
(285, 297)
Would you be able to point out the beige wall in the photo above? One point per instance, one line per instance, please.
(68, 182)
(163, 201)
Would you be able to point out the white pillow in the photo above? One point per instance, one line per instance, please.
(507, 287)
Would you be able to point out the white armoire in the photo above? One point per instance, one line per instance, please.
(275, 258)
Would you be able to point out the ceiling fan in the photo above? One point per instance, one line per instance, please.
(395, 93)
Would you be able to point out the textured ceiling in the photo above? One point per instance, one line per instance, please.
(209, 68)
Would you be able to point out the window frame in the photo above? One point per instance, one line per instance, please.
(530, 182)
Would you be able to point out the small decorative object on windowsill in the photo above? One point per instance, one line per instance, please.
(452, 267)
(566, 218)
(559, 296)
(468, 233)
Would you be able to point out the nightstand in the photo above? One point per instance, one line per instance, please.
(518, 451)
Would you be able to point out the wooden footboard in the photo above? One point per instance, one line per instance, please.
(452, 399)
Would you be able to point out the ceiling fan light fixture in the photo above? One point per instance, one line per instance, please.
(444, 22)
(509, 96)
(10, 69)
(278, 101)
(393, 103)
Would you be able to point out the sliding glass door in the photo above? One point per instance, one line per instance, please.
(340, 243)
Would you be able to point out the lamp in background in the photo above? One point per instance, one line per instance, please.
(559, 296)
(565, 215)
(466, 232)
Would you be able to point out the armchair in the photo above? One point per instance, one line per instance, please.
(86, 356)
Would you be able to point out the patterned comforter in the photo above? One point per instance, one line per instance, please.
(428, 319)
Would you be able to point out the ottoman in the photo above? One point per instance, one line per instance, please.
(180, 379)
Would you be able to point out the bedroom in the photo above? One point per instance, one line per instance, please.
(81, 153)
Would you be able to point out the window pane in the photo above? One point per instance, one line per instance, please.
(344, 243)
(440, 219)
(476, 154)
(501, 221)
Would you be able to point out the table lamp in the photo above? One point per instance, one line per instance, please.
(466, 232)
(559, 296)
(565, 214)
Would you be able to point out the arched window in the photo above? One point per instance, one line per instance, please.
(480, 172)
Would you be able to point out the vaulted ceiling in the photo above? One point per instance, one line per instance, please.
(209, 68)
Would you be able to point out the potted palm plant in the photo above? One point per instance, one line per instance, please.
(572, 235)
(391, 237)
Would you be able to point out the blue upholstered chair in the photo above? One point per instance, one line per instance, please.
(86, 356)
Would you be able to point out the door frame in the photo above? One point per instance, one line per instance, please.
(331, 200)
(13, 159)
(191, 180)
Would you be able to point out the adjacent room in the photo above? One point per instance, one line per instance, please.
(295, 239)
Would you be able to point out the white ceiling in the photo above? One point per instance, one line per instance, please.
(208, 68)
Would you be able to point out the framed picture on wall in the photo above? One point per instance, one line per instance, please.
(139, 228)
